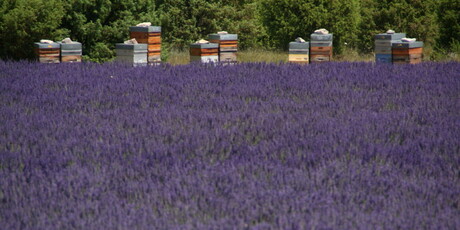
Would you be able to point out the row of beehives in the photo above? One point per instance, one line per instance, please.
(144, 47)
(391, 47)
(221, 47)
(48, 51)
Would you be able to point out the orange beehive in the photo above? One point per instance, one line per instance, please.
(407, 52)
(204, 52)
(150, 35)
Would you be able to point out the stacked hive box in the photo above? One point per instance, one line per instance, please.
(132, 54)
(320, 47)
(47, 52)
(298, 52)
(71, 52)
(150, 35)
(383, 46)
(228, 46)
(204, 52)
(407, 52)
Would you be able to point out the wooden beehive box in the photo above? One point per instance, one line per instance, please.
(150, 35)
(132, 54)
(47, 52)
(228, 46)
(71, 52)
(204, 52)
(407, 52)
(383, 58)
(299, 52)
(321, 47)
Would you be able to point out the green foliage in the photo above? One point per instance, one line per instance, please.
(100, 24)
(416, 18)
(184, 22)
(24, 21)
(343, 21)
(100, 52)
(285, 20)
(449, 21)
(266, 24)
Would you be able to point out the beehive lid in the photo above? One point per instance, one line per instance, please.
(387, 36)
(131, 46)
(53, 45)
(204, 45)
(150, 29)
(299, 45)
(223, 37)
(70, 46)
(321, 37)
(401, 44)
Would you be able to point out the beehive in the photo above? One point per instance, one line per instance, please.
(132, 54)
(71, 52)
(299, 52)
(383, 46)
(150, 35)
(204, 52)
(228, 46)
(320, 47)
(47, 52)
(407, 52)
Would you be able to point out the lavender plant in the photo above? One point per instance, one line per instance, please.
(249, 146)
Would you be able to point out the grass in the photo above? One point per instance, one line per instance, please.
(352, 55)
(255, 55)
(176, 57)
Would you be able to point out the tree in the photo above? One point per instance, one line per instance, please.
(284, 20)
(98, 25)
(185, 21)
(449, 19)
(23, 22)
(416, 18)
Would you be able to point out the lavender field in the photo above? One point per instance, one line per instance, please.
(249, 146)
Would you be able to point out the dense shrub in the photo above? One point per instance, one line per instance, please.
(185, 22)
(418, 19)
(23, 22)
(287, 19)
(449, 18)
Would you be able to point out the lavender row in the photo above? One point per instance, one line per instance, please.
(250, 146)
